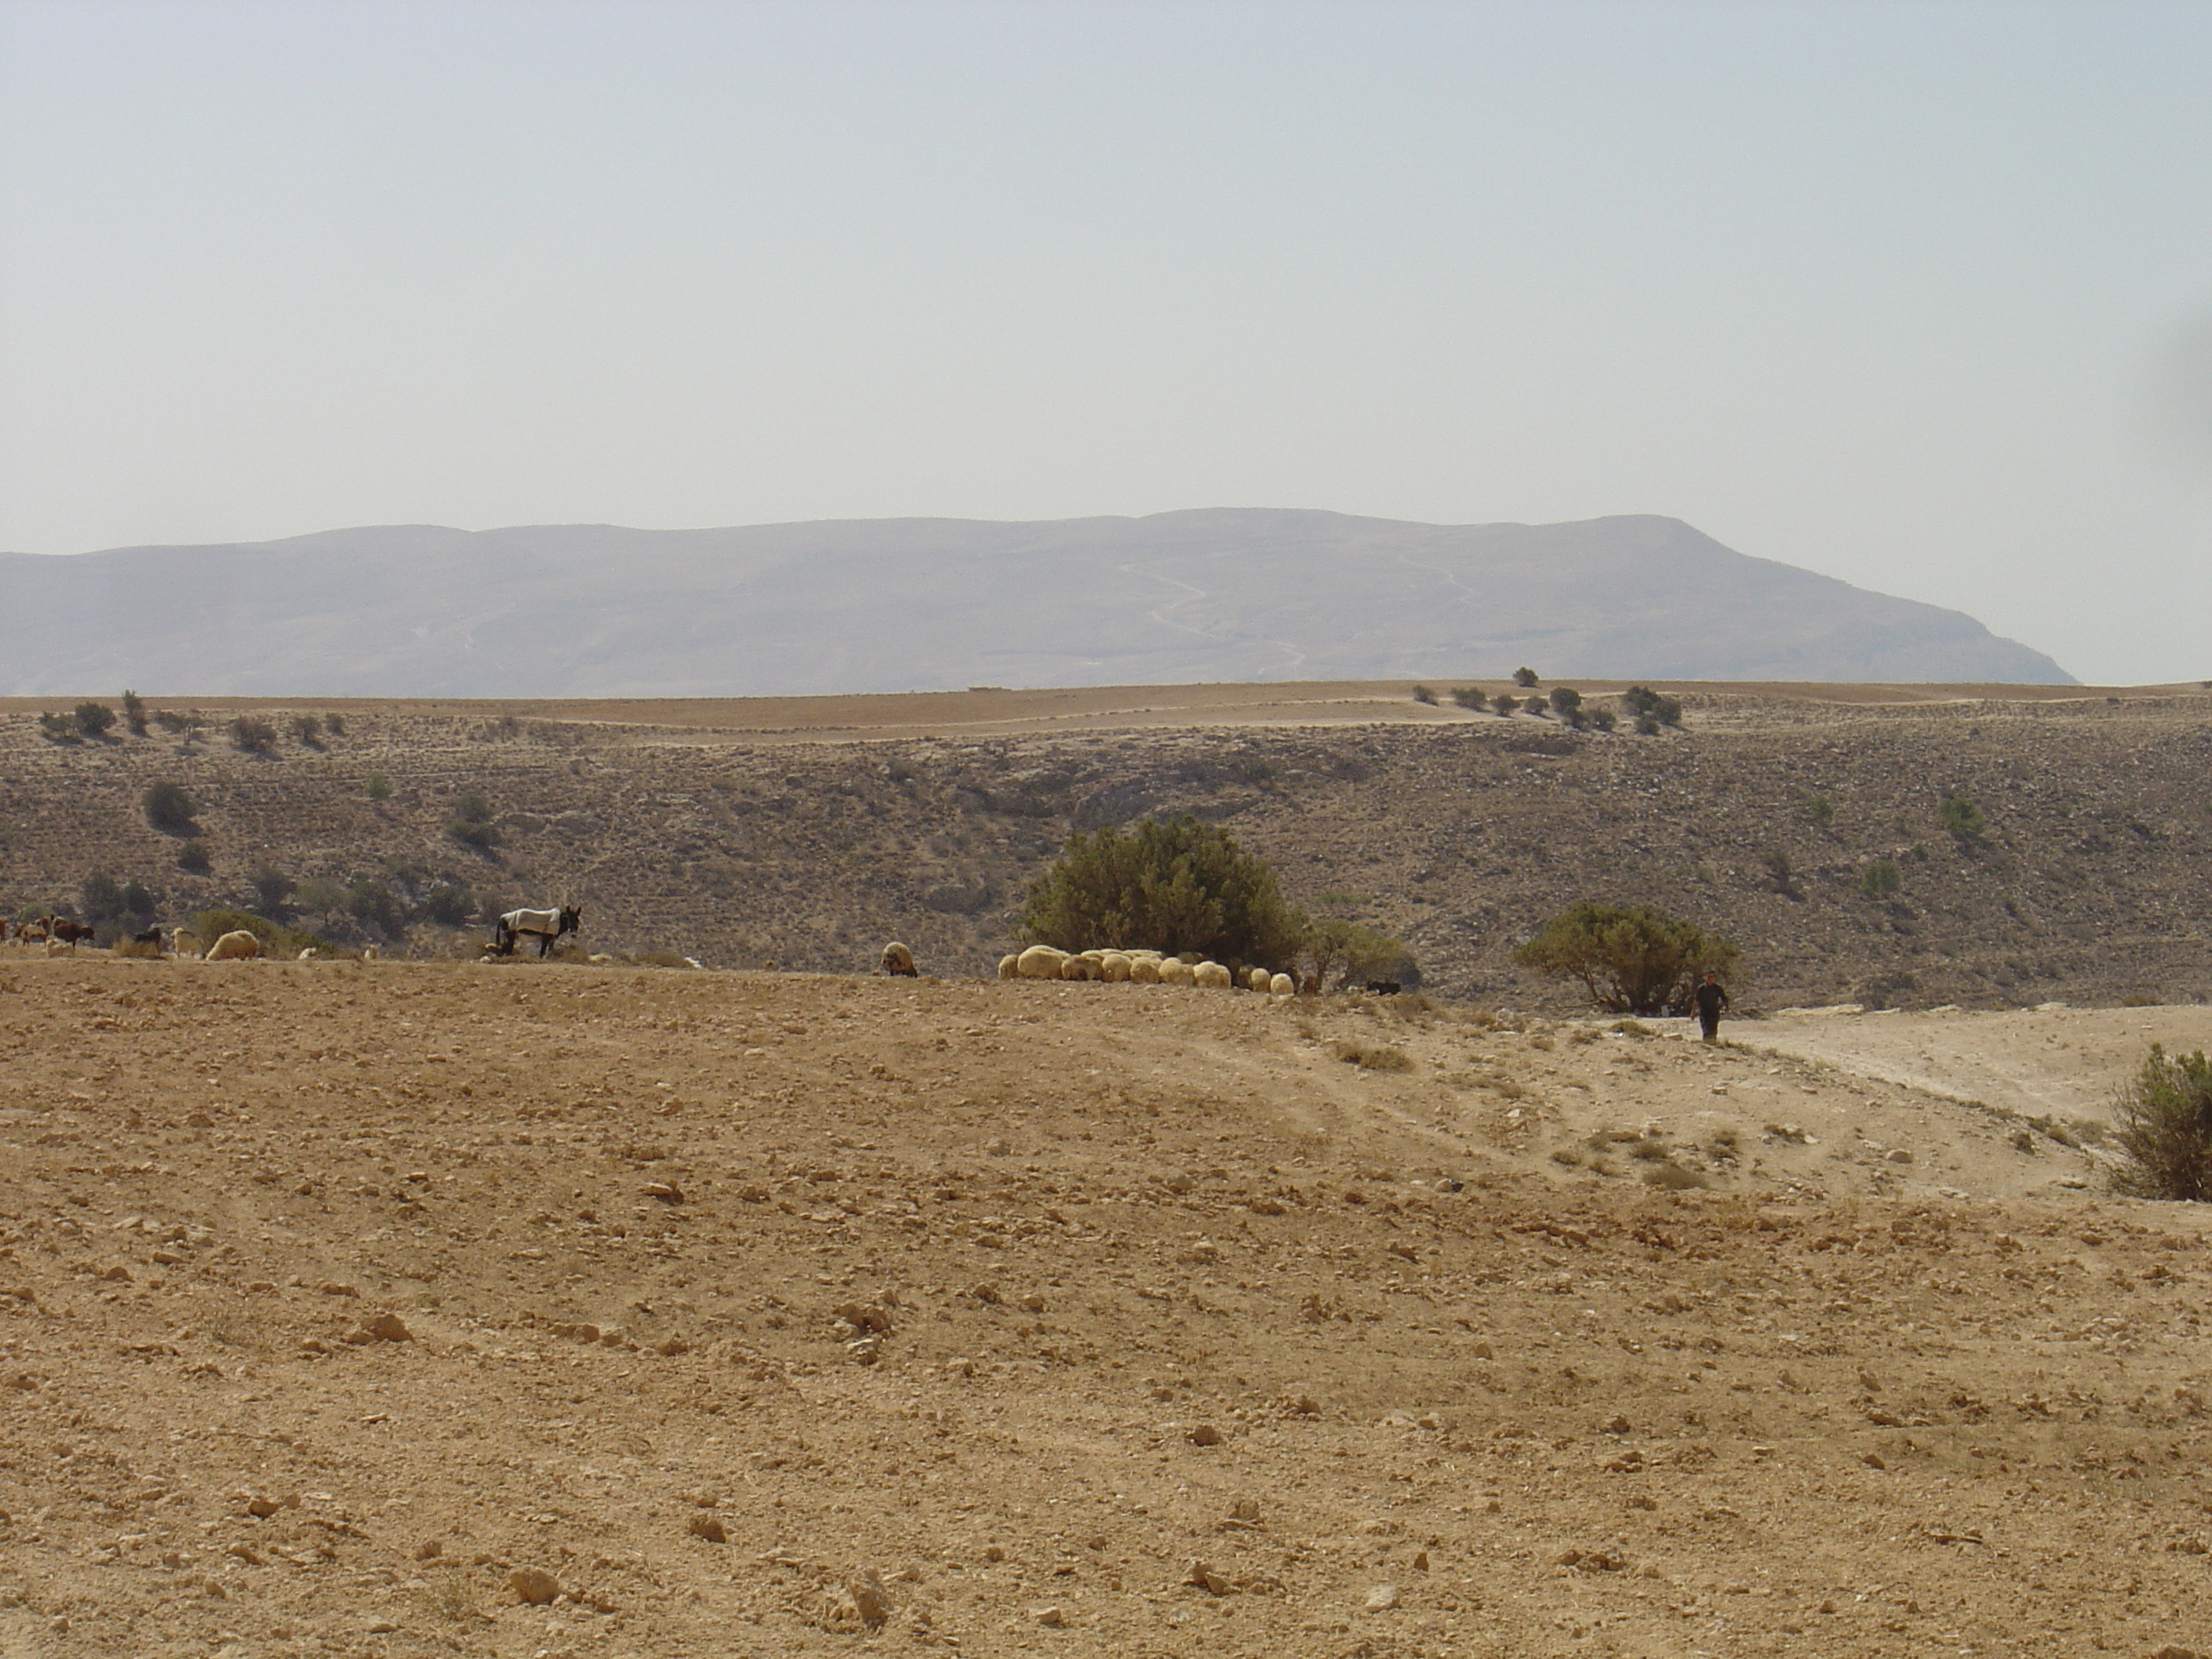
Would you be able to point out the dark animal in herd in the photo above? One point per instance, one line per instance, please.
(1384, 987)
(546, 927)
(68, 931)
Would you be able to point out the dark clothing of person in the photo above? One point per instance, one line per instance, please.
(1711, 1000)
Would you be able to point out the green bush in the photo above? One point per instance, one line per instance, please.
(1820, 810)
(1651, 709)
(134, 713)
(271, 887)
(1422, 693)
(1567, 704)
(1962, 819)
(1881, 878)
(1469, 697)
(377, 786)
(1631, 959)
(1525, 677)
(168, 808)
(58, 729)
(2164, 1137)
(192, 857)
(308, 729)
(319, 895)
(449, 905)
(251, 735)
(93, 718)
(373, 905)
(1537, 706)
(471, 824)
(1178, 886)
(1603, 719)
(1334, 947)
(335, 725)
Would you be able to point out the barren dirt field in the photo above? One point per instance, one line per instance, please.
(412, 1309)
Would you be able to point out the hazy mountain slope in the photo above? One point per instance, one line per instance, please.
(917, 603)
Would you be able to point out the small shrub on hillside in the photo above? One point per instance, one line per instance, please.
(1352, 954)
(168, 808)
(1422, 693)
(1371, 1056)
(319, 895)
(1469, 697)
(1647, 725)
(1647, 705)
(1821, 812)
(173, 723)
(1604, 719)
(335, 725)
(1881, 878)
(192, 858)
(377, 786)
(1536, 706)
(1631, 959)
(271, 887)
(93, 719)
(449, 905)
(2165, 1136)
(471, 824)
(1525, 677)
(134, 713)
(1962, 819)
(373, 905)
(58, 729)
(251, 735)
(1567, 704)
(308, 729)
(1781, 873)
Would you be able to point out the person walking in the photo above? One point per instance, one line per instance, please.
(1710, 998)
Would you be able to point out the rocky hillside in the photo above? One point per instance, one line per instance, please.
(2088, 882)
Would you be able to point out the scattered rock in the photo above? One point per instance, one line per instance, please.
(1052, 1615)
(1205, 1435)
(707, 1527)
(870, 1598)
(1246, 1511)
(665, 1191)
(1381, 1598)
(533, 1588)
(1207, 1579)
(430, 1549)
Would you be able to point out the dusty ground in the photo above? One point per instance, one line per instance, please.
(1088, 1319)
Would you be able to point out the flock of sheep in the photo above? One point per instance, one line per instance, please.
(1138, 968)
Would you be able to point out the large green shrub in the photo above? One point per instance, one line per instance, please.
(93, 718)
(471, 824)
(1881, 878)
(168, 808)
(252, 735)
(1631, 959)
(1178, 886)
(1962, 819)
(1353, 953)
(2164, 1137)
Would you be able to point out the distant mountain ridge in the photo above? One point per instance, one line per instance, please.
(897, 604)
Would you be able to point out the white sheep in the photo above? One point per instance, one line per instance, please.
(1009, 967)
(1258, 980)
(1040, 962)
(1114, 967)
(184, 942)
(236, 946)
(1145, 970)
(1211, 975)
(1282, 986)
(308, 955)
(1077, 968)
(1174, 971)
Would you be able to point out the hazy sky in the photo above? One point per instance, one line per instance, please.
(1915, 294)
